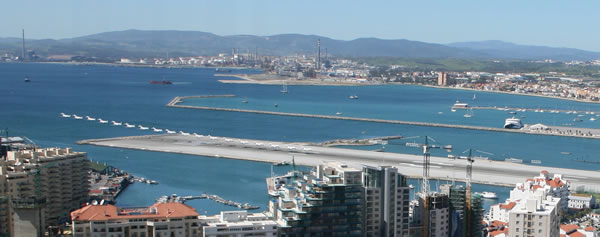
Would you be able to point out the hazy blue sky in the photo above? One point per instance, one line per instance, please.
(552, 23)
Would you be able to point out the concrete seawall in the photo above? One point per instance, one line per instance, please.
(175, 103)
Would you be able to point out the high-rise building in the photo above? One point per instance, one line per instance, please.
(39, 187)
(459, 225)
(326, 202)
(386, 203)
(442, 78)
(430, 215)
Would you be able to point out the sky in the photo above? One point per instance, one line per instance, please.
(572, 24)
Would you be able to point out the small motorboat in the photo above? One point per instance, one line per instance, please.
(489, 195)
(142, 127)
(169, 131)
(102, 121)
(156, 129)
(65, 115)
(77, 117)
(90, 118)
(129, 125)
(116, 123)
(184, 133)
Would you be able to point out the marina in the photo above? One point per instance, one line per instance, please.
(484, 171)
(216, 198)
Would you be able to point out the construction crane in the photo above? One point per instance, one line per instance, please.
(425, 189)
(468, 193)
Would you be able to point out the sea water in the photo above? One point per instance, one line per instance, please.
(123, 94)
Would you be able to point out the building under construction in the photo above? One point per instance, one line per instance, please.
(459, 224)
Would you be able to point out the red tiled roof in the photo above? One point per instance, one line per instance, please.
(498, 223)
(568, 228)
(555, 183)
(111, 212)
(590, 228)
(544, 172)
(508, 206)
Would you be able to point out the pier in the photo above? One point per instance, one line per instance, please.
(216, 198)
(484, 171)
(175, 103)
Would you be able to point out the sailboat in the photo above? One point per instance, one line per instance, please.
(284, 88)
(469, 113)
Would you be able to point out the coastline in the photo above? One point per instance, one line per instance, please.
(511, 93)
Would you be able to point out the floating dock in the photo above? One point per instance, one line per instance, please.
(175, 102)
(216, 198)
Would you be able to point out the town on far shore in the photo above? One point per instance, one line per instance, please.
(322, 69)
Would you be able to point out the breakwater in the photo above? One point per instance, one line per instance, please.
(175, 102)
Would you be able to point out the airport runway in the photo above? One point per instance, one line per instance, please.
(484, 171)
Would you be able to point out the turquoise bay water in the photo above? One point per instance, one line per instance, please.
(124, 94)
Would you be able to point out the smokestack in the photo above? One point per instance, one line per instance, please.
(319, 54)
(23, 49)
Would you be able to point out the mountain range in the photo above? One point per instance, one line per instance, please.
(142, 43)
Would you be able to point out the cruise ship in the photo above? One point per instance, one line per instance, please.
(513, 123)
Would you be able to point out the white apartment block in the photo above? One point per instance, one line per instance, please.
(238, 224)
(577, 201)
(554, 186)
(536, 216)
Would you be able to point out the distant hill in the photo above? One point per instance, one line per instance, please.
(139, 43)
(506, 50)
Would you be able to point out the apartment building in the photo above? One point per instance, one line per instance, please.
(158, 220)
(39, 187)
(386, 203)
(238, 224)
(535, 217)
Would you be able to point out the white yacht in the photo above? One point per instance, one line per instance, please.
(156, 129)
(129, 125)
(489, 195)
(513, 123)
(90, 118)
(102, 121)
(116, 123)
(65, 115)
(142, 127)
(184, 133)
(77, 117)
(169, 131)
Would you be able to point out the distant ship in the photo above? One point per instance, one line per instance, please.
(26, 79)
(513, 123)
(353, 97)
(458, 104)
(161, 82)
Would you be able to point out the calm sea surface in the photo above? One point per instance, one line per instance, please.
(124, 94)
